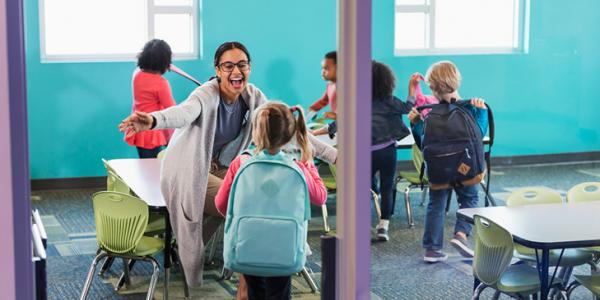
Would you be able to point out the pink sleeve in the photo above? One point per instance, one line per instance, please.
(222, 197)
(322, 102)
(316, 189)
(165, 96)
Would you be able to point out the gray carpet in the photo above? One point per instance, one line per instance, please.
(397, 272)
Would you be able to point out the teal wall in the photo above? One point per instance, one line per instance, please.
(74, 108)
(543, 100)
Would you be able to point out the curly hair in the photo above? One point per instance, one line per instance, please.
(155, 56)
(384, 81)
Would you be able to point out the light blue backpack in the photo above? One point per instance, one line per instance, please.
(267, 217)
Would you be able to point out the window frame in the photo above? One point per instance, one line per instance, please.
(151, 10)
(520, 33)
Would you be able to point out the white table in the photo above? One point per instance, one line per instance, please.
(143, 177)
(545, 227)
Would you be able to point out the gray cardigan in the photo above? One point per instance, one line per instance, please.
(186, 165)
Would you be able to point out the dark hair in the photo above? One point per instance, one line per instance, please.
(331, 55)
(156, 56)
(229, 46)
(384, 81)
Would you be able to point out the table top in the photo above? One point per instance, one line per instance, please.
(545, 226)
(142, 176)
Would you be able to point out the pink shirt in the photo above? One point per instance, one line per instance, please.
(151, 92)
(316, 190)
(329, 97)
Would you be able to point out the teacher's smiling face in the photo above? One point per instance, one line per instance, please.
(233, 69)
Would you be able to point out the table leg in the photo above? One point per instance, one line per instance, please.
(167, 258)
(543, 267)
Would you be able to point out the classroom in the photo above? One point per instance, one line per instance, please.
(317, 149)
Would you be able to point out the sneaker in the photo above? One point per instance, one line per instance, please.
(460, 243)
(434, 256)
(382, 235)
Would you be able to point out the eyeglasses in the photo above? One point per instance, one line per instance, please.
(229, 66)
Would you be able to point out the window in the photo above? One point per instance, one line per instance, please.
(109, 30)
(425, 27)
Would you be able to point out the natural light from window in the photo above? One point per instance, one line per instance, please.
(108, 30)
(424, 27)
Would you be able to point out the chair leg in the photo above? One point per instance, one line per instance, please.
(376, 202)
(218, 236)
(90, 276)
(125, 278)
(325, 216)
(311, 283)
(496, 295)
(424, 195)
(409, 215)
(153, 279)
(106, 266)
(478, 291)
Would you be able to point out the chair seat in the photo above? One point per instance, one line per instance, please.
(592, 283)
(412, 177)
(149, 246)
(570, 258)
(521, 279)
(329, 183)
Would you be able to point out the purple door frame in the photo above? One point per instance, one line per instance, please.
(16, 277)
(354, 145)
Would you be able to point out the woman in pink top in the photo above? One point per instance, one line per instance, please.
(151, 92)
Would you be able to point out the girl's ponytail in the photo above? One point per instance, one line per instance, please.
(261, 131)
(302, 135)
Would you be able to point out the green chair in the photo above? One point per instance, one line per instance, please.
(329, 180)
(586, 191)
(121, 220)
(541, 195)
(491, 263)
(161, 154)
(414, 180)
(590, 282)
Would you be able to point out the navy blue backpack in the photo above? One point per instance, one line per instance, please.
(452, 146)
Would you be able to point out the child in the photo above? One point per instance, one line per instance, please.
(328, 71)
(386, 127)
(151, 92)
(444, 80)
(274, 126)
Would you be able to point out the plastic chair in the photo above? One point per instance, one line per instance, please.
(570, 257)
(121, 220)
(161, 154)
(586, 191)
(330, 183)
(414, 180)
(493, 253)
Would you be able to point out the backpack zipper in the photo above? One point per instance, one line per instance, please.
(449, 154)
(467, 150)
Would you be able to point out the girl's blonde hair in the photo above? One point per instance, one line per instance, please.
(274, 125)
(443, 78)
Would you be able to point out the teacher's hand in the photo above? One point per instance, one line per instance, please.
(136, 122)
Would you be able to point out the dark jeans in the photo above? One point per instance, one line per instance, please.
(384, 162)
(433, 237)
(149, 153)
(269, 288)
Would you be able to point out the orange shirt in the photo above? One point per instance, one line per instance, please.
(151, 92)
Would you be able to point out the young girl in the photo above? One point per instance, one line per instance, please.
(274, 126)
(151, 92)
(386, 127)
